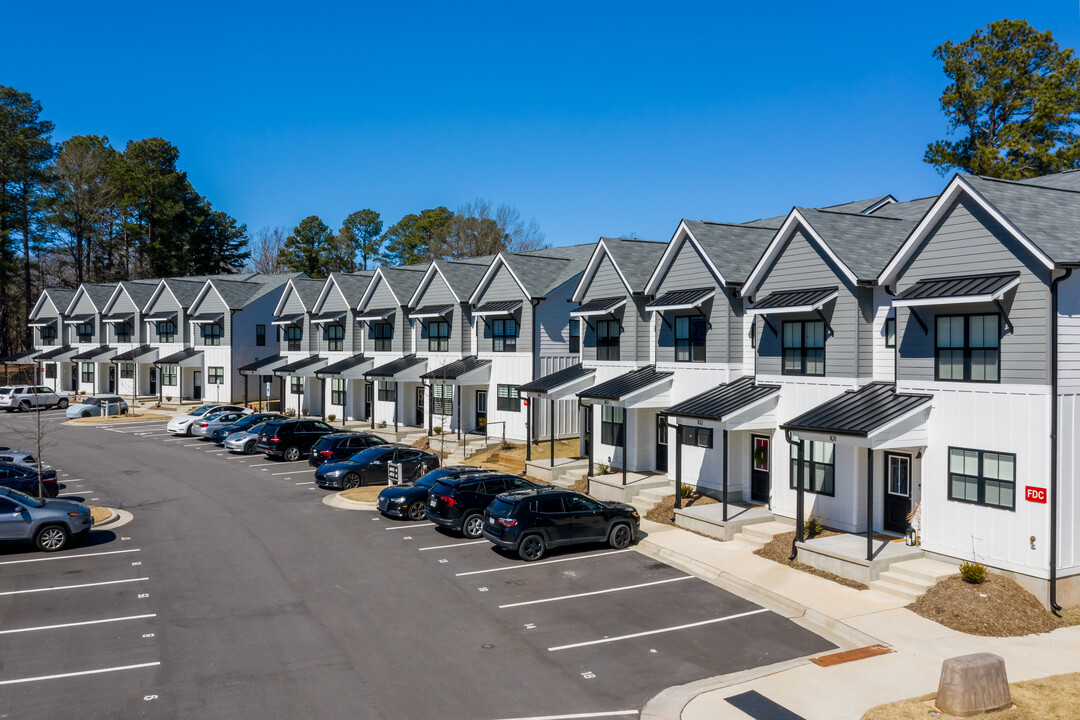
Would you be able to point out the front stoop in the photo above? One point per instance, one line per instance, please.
(910, 579)
(709, 519)
(610, 487)
(845, 555)
(759, 535)
(566, 472)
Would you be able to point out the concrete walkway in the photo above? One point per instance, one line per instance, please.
(851, 618)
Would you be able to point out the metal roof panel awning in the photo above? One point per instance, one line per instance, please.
(143, 353)
(725, 402)
(60, 354)
(431, 311)
(645, 387)
(560, 384)
(202, 318)
(470, 369)
(961, 289)
(288, 320)
(498, 307)
(304, 367)
(406, 368)
(42, 323)
(328, 317)
(188, 357)
(98, 354)
(863, 413)
(792, 301)
(351, 368)
(603, 306)
(681, 300)
(375, 314)
(265, 366)
(119, 318)
(161, 316)
(75, 319)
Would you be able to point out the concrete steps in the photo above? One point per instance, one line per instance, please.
(649, 498)
(759, 535)
(910, 579)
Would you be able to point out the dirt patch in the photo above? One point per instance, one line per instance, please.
(1052, 698)
(581, 486)
(512, 459)
(663, 511)
(779, 550)
(998, 607)
(100, 514)
(368, 493)
(121, 418)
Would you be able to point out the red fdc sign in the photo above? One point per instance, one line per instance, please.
(1035, 494)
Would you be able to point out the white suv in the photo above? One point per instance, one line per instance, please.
(25, 397)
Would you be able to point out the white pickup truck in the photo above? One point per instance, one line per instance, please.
(25, 397)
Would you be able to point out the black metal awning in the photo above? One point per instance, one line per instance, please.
(431, 311)
(788, 301)
(375, 314)
(457, 369)
(624, 386)
(64, 353)
(601, 306)
(557, 380)
(681, 299)
(265, 366)
(288, 320)
(859, 412)
(395, 367)
(967, 288)
(119, 317)
(146, 353)
(79, 318)
(498, 307)
(203, 318)
(723, 401)
(161, 316)
(98, 354)
(328, 317)
(187, 357)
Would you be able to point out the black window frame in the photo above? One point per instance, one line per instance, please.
(573, 334)
(211, 334)
(382, 335)
(612, 431)
(165, 331)
(510, 401)
(294, 338)
(812, 466)
(127, 371)
(387, 391)
(441, 403)
(696, 436)
(260, 335)
(84, 332)
(47, 334)
(337, 391)
(50, 371)
(967, 350)
(980, 478)
(438, 332)
(170, 376)
(335, 341)
(296, 385)
(86, 372)
(693, 344)
(215, 375)
(802, 351)
(608, 347)
(123, 331)
(890, 332)
(501, 339)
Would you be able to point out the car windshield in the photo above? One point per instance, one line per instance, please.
(369, 454)
(200, 411)
(249, 420)
(97, 400)
(23, 497)
(257, 428)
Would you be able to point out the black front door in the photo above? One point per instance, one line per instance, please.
(420, 405)
(369, 391)
(74, 377)
(112, 378)
(153, 381)
(760, 483)
(661, 443)
(897, 492)
(481, 410)
(196, 384)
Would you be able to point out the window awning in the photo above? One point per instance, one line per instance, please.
(793, 301)
(960, 289)
(620, 390)
(431, 311)
(42, 323)
(305, 367)
(470, 369)
(603, 306)
(406, 368)
(681, 300)
(143, 353)
(119, 318)
(349, 369)
(860, 413)
(98, 354)
(498, 307)
(723, 402)
(60, 354)
(75, 319)
(375, 314)
(188, 357)
(161, 317)
(559, 384)
(330, 317)
(265, 366)
(202, 318)
(288, 320)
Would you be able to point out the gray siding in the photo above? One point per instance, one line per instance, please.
(166, 303)
(969, 242)
(553, 321)
(801, 266)
(382, 297)
(635, 322)
(336, 303)
(866, 337)
(82, 306)
(294, 306)
(689, 270)
(122, 305)
(212, 303)
(504, 287)
(438, 293)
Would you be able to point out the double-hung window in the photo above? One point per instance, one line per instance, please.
(337, 392)
(967, 348)
(127, 370)
(294, 335)
(215, 376)
(804, 347)
(690, 338)
(211, 333)
(890, 332)
(382, 334)
(504, 335)
(88, 372)
(47, 334)
(123, 332)
(438, 336)
(85, 331)
(166, 331)
(50, 371)
(168, 376)
(387, 391)
(296, 385)
(260, 335)
(982, 477)
(697, 436)
(509, 399)
(335, 337)
(819, 465)
(607, 339)
(442, 400)
(575, 336)
(612, 425)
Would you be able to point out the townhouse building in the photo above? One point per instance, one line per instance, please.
(344, 394)
(91, 368)
(51, 339)
(129, 335)
(297, 338)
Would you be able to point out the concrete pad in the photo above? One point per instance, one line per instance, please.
(900, 627)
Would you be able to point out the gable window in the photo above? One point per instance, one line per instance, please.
(127, 371)
(509, 399)
(296, 385)
(607, 339)
(166, 331)
(215, 376)
(47, 335)
(438, 336)
(335, 337)
(88, 373)
(967, 347)
(211, 333)
(504, 335)
(696, 436)
(575, 336)
(982, 478)
(612, 425)
(85, 331)
(690, 339)
(890, 332)
(382, 333)
(442, 399)
(804, 347)
(123, 332)
(337, 392)
(819, 464)
(387, 391)
(260, 335)
(294, 334)
(168, 376)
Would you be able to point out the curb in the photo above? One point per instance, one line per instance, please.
(118, 518)
(342, 503)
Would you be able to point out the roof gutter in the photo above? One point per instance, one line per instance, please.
(1054, 606)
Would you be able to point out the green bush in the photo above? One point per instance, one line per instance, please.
(973, 572)
(602, 469)
(331, 417)
(437, 430)
(686, 490)
(507, 445)
(812, 528)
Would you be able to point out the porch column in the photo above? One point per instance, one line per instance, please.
(179, 384)
(624, 424)
(726, 463)
(552, 424)
(678, 469)
(429, 392)
(245, 388)
(397, 404)
(869, 504)
(283, 395)
(457, 397)
(800, 481)
(528, 433)
(589, 430)
(374, 397)
(160, 386)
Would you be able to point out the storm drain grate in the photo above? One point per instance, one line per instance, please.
(760, 707)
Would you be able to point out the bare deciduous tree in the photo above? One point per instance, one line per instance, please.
(478, 228)
(265, 248)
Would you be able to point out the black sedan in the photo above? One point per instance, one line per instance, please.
(26, 480)
(371, 467)
(410, 499)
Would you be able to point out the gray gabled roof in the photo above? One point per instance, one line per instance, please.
(858, 412)
(308, 290)
(860, 206)
(1065, 180)
(60, 297)
(907, 210)
(462, 276)
(1048, 217)
(99, 293)
(140, 292)
(541, 271)
(404, 280)
(184, 290)
(636, 259)
(734, 249)
(236, 294)
(864, 243)
(353, 285)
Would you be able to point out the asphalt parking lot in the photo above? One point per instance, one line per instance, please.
(251, 598)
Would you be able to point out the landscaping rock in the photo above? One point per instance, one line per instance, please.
(973, 684)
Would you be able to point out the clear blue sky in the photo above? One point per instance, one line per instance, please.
(593, 118)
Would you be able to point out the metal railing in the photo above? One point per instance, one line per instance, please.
(484, 431)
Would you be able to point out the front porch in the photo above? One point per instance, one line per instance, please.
(712, 520)
(626, 486)
(846, 555)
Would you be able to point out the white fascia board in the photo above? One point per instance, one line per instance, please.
(668, 258)
(112, 298)
(599, 252)
(958, 300)
(682, 306)
(425, 281)
(481, 287)
(37, 306)
(794, 219)
(323, 293)
(371, 290)
(795, 308)
(289, 288)
(607, 311)
(957, 186)
(75, 299)
(153, 297)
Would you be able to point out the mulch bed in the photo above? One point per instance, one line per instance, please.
(779, 550)
(665, 510)
(998, 607)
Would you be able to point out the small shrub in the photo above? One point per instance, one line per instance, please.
(602, 469)
(506, 445)
(168, 398)
(973, 572)
(331, 417)
(304, 410)
(437, 430)
(686, 490)
(812, 528)
(382, 424)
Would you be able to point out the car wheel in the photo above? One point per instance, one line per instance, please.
(352, 480)
(473, 526)
(249, 449)
(62, 404)
(24, 406)
(417, 511)
(531, 548)
(292, 454)
(51, 538)
(86, 413)
(620, 536)
(188, 431)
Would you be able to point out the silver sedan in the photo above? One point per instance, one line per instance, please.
(244, 442)
(205, 426)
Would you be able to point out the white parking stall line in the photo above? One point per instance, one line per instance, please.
(542, 562)
(74, 480)
(175, 439)
(156, 435)
(198, 444)
(71, 587)
(452, 545)
(133, 423)
(410, 526)
(658, 631)
(595, 592)
(312, 482)
(279, 463)
(575, 716)
(81, 672)
(69, 557)
(217, 451)
(81, 492)
(77, 624)
(290, 472)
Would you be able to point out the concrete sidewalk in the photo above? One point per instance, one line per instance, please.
(851, 618)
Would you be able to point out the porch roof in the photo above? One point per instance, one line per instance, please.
(25, 357)
(558, 380)
(146, 353)
(681, 299)
(267, 364)
(790, 301)
(602, 306)
(188, 357)
(62, 354)
(624, 386)
(98, 354)
(350, 367)
(861, 412)
(498, 307)
(723, 401)
(460, 369)
(397, 367)
(958, 289)
(304, 367)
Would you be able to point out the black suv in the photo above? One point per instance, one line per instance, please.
(340, 445)
(458, 503)
(410, 499)
(530, 521)
(290, 439)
